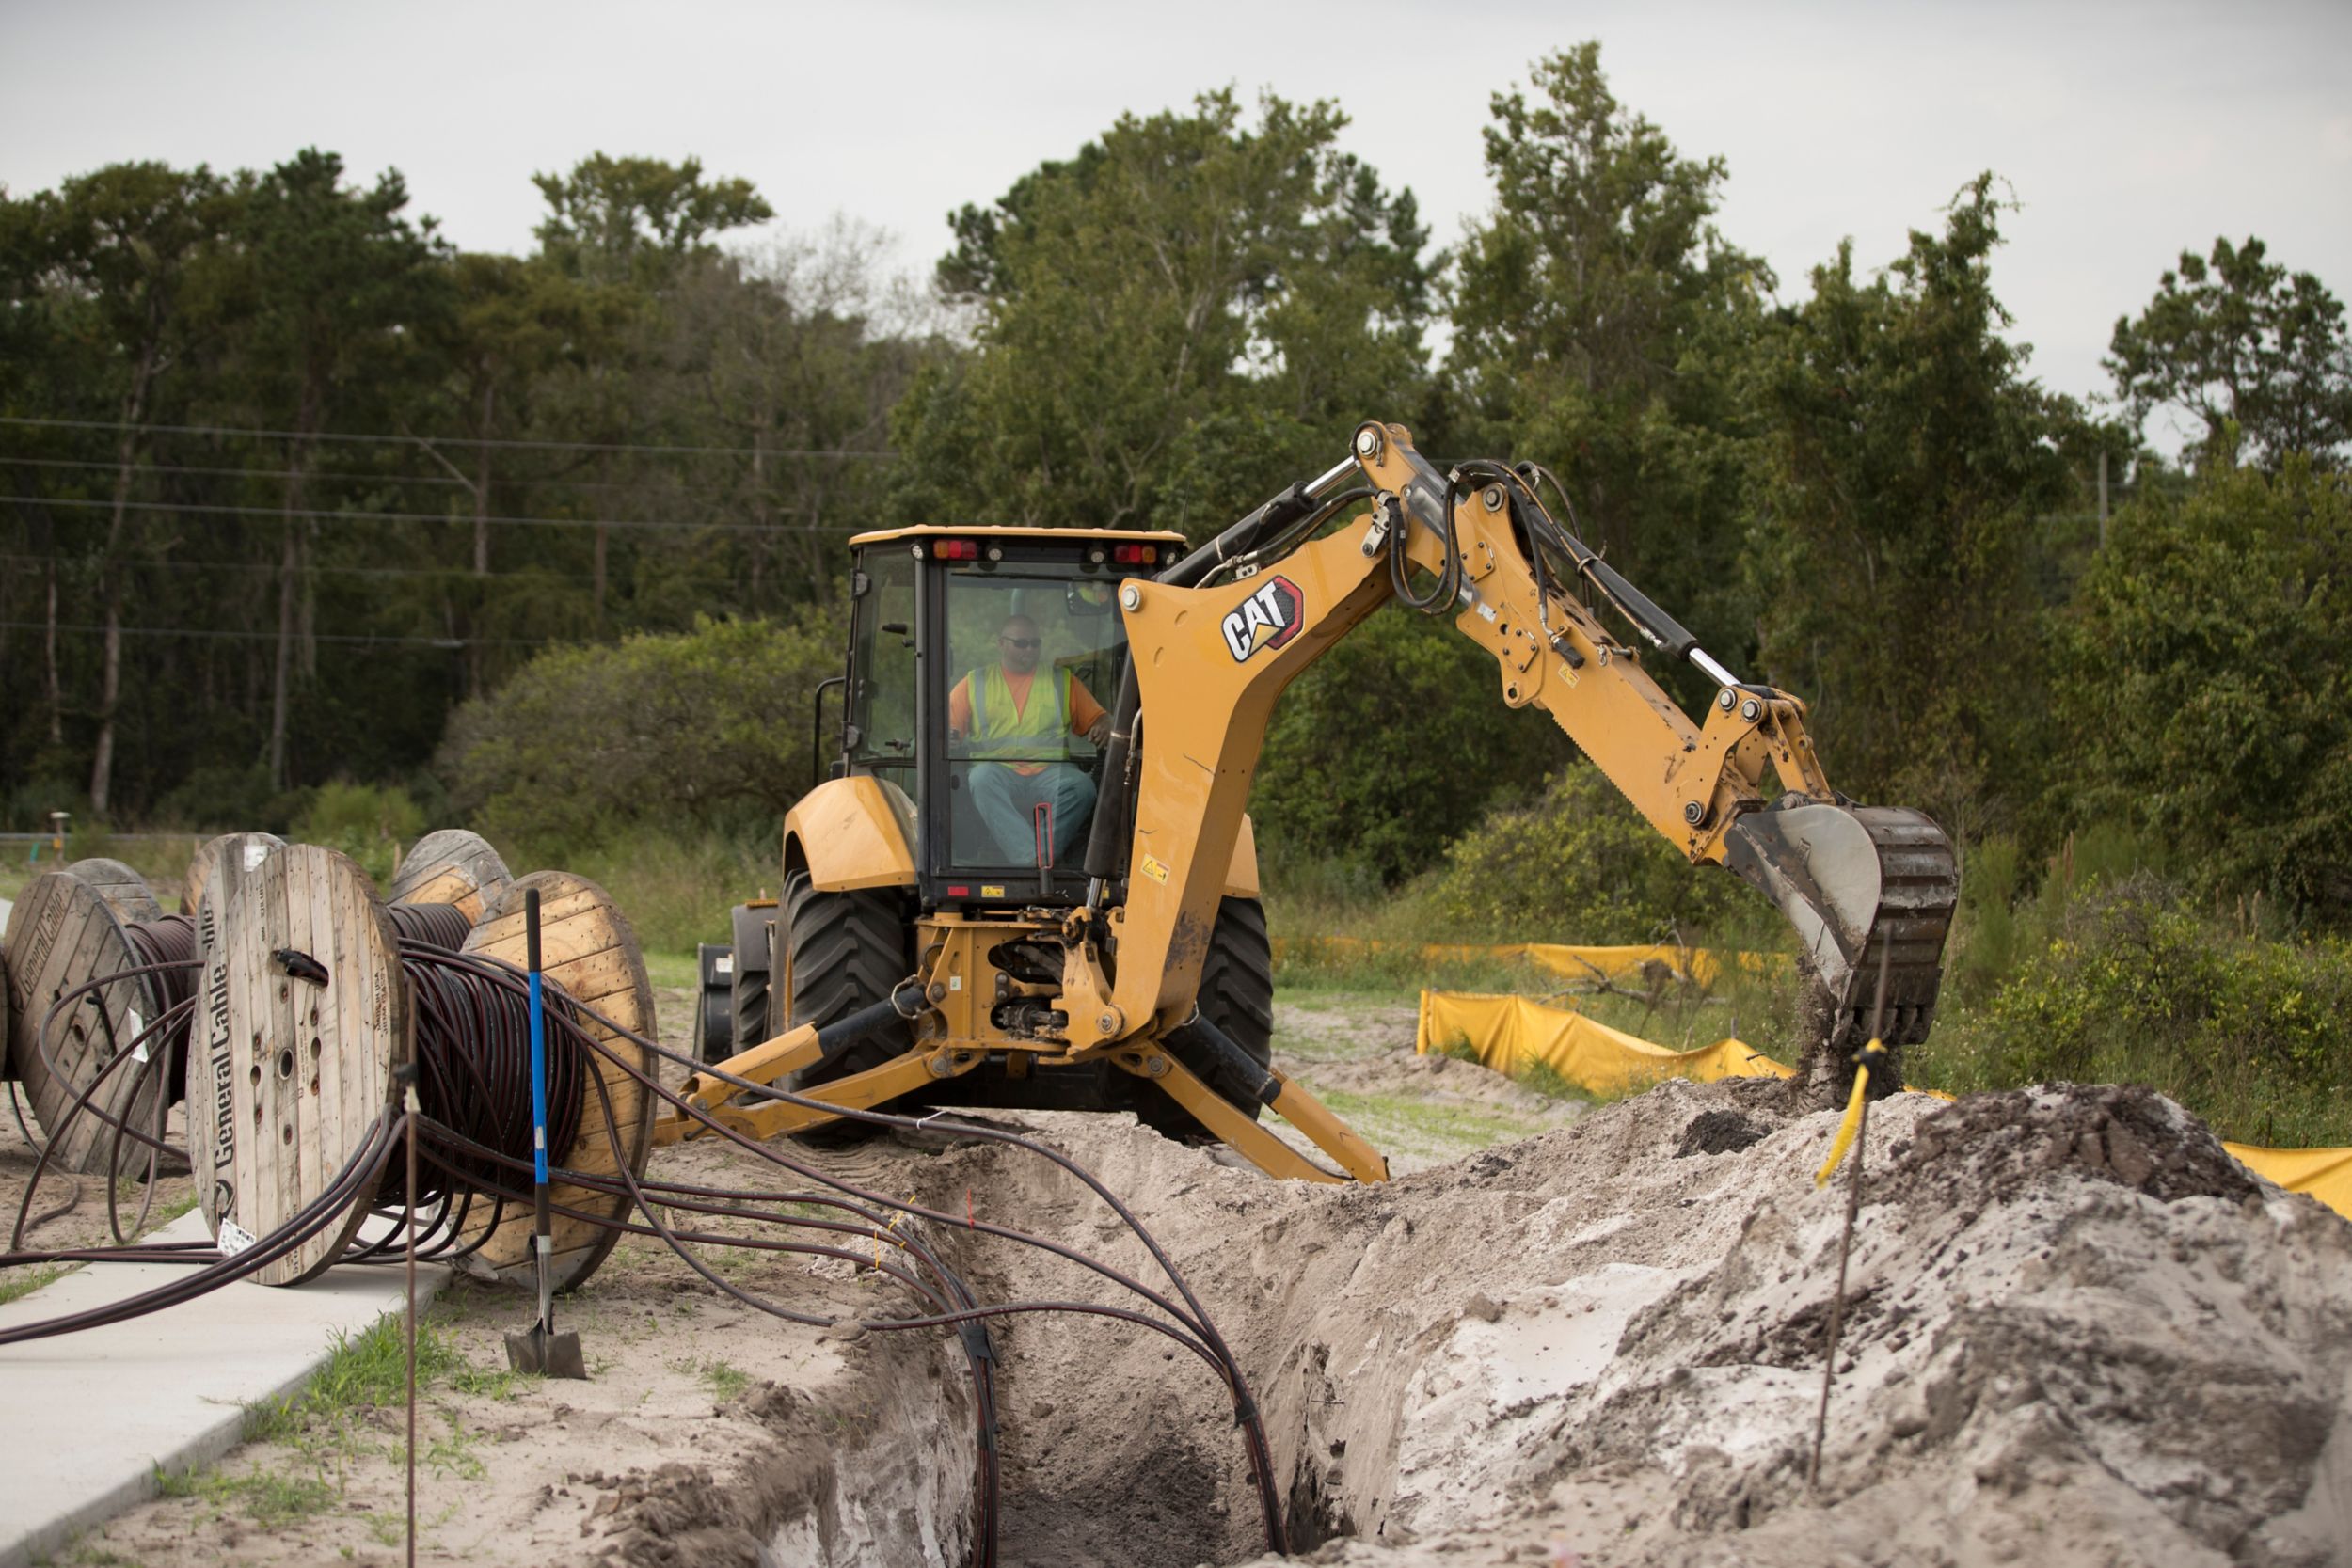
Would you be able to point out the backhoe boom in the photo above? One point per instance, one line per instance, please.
(1212, 647)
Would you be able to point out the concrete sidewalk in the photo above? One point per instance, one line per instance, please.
(87, 1419)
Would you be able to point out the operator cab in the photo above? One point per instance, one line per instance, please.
(979, 659)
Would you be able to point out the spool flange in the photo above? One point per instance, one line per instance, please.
(452, 867)
(250, 849)
(288, 1072)
(62, 933)
(589, 949)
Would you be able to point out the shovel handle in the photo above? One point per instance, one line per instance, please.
(545, 1218)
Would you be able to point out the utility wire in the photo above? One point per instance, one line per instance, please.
(465, 573)
(500, 482)
(217, 509)
(450, 643)
(429, 441)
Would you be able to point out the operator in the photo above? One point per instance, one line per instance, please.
(1007, 711)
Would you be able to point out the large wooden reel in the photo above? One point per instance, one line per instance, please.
(452, 867)
(588, 948)
(247, 849)
(288, 1072)
(124, 890)
(62, 933)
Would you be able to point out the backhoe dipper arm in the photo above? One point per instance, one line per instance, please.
(1869, 890)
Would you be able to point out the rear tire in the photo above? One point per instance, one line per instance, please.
(1237, 996)
(843, 951)
(748, 996)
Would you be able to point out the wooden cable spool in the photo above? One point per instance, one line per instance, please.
(252, 848)
(65, 931)
(124, 890)
(587, 948)
(288, 1075)
(453, 866)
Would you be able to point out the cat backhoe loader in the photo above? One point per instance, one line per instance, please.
(1091, 938)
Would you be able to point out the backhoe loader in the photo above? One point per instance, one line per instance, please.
(1063, 912)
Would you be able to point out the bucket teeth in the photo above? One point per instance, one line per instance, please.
(1870, 891)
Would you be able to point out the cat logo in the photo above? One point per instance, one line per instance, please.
(1268, 619)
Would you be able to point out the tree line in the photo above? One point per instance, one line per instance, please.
(291, 479)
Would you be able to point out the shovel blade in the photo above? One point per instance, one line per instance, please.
(536, 1350)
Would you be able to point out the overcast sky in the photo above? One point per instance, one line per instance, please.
(2127, 131)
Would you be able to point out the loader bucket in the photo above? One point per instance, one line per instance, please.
(1870, 891)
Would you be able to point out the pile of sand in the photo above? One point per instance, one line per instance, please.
(2076, 1332)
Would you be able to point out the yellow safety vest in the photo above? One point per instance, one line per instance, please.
(1001, 727)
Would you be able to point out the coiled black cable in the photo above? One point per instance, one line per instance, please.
(473, 1062)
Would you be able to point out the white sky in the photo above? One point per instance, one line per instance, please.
(2127, 131)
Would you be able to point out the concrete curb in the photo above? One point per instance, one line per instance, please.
(87, 1420)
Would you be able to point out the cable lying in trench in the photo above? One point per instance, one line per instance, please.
(471, 1021)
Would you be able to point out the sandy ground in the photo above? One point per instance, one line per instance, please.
(2077, 1333)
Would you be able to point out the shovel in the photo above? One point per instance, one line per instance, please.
(540, 1349)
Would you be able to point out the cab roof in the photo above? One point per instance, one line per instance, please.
(935, 530)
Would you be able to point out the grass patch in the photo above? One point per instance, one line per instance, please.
(268, 1500)
(678, 971)
(22, 1282)
(1428, 1127)
(724, 1381)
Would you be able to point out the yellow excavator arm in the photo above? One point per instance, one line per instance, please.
(1215, 640)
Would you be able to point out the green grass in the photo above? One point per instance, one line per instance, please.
(724, 1381)
(22, 1282)
(1407, 1121)
(677, 971)
(266, 1499)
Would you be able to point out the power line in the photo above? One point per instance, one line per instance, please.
(449, 644)
(340, 476)
(218, 509)
(429, 441)
(272, 567)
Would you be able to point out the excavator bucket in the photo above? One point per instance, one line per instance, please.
(1870, 891)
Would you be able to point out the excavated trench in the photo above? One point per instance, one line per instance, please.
(2076, 1332)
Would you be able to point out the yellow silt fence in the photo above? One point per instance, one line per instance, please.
(1511, 1032)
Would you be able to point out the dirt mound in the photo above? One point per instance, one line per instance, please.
(2073, 1334)
(1991, 1144)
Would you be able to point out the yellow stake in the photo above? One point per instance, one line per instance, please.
(1852, 1118)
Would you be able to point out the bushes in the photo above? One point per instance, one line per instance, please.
(373, 824)
(1582, 865)
(2204, 681)
(704, 727)
(2134, 985)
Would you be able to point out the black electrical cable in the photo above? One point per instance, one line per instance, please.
(467, 1035)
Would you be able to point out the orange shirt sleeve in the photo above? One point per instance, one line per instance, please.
(1084, 709)
(960, 707)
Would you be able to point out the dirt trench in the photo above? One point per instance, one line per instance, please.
(2076, 1333)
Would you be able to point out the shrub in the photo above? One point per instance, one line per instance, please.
(702, 727)
(2252, 1033)
(1582, 866)
(371, 823)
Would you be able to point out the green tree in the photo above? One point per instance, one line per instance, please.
(1906, 457)
(2203, 683)
(344, 294)
(2255, 354)
(1392, 746)
(634, 220)
(1188, 315)
(118, 259)
(1599, 320)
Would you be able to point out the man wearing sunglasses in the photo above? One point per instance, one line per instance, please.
(1022, 727)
